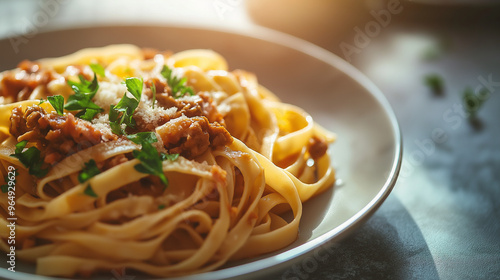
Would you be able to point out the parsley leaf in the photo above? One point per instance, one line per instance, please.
(134, 86)
(435, 83)
(85, 87)
(89, 170)
(30, 159)
(89, 191)
(153, 90)
(150, 137)
(473, 102)
(122, 113)
(139, 138)
(82, 99)
(88, 114)
(176, 84)
(57, 102)
(80, 102)
(151, 160)
(161, 206)
(171, 157)
(98, 69)
(5, 187)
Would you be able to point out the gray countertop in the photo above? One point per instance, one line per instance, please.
(442, 221)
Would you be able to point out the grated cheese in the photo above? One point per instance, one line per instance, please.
(109, 94)
(146, 112)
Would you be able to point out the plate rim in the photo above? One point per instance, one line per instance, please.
(312, 50)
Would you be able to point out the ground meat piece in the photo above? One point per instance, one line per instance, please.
(150, 53)
(29, 66)
(167, 101)
(160, 86)
(219, 136)
(191, 137)
(17, 122)
(202, 107)
(18, 85)
(317, 147)
(23, 125)
(209, 108)
(195, 107)
(56, 136)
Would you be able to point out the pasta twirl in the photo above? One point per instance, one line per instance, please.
(164, 163)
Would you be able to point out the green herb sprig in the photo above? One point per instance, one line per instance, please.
(57, 101)
(179, 89)
(473, 102)
(435, 83)
(153, 90)
(88, 171)
(122, 113)
(98, 69)
(5, 187)
(151, 160)
(30, 158)
(82, 99)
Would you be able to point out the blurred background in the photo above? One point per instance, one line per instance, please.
(438, 64)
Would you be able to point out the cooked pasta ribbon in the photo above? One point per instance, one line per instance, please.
(235, 159)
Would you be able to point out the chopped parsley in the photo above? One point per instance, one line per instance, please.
(122, 113)
(30, 159)
(435, 83)
(134, 86)
(57, 102)
(98, 69)
(88, 114)
(153, 90)
(5, 187)
(171, 157)
(151, 160)
(89, 191)
(179, 89)
(139, 138)
(82, 99)
(89, 170)
(161, 206)
(473, 102)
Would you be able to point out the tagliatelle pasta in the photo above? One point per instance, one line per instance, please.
(163, 163)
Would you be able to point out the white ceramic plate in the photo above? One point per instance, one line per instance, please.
(367, 154)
